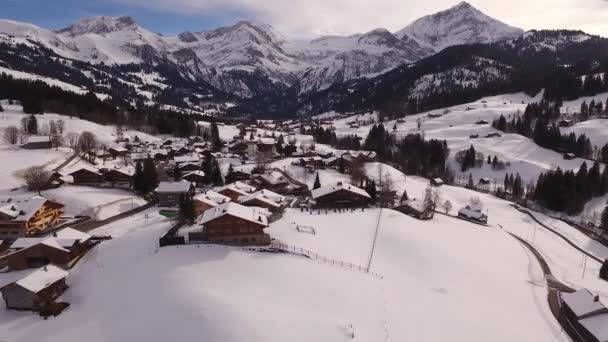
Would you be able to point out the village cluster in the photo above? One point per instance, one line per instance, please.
(234, 209)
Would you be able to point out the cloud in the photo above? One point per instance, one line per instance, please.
(306, 18)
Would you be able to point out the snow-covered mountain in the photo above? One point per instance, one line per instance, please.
(248, 59)
(461, 24)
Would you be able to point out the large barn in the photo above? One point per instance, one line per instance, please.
(340, 195)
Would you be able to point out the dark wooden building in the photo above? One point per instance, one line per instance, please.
(340, 195)
(37, 290)
(169, 193)
(88, 177)
(37, 143)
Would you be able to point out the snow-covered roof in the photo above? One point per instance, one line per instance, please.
(239, 187)
(21, 209)
(173, 187)
(266, 196)
(212, 198)
(38, 138)
(471, 213)
(42, 278)
(86, 168)
(195, 173)
(583, 303)
(71, 234)
(597, 326)
(187, 164)
(328, 189)
(186, 159)
(234, 209)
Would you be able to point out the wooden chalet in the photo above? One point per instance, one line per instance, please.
(189, 167)
(122, 178)
(208, 200)
(55, 180)
(416, 208)
(236, 176)
(86, 176)
(37, 290)
(196, 177)
(27, 216)
(264, 199)
(232, 223)
(169, 193)
(61, 248)
(36, 142)
(340, 195)
(118, 151)
(236, 190)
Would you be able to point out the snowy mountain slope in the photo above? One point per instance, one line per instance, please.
(461, 24)
(250, 59)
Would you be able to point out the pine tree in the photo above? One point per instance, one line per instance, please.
(186, 209)
(489, 160)
(150, 177)
(604, 220)
(216, 141)
(32, 125)
(1, 109)
(138, 178)
(317, 183)
(470, 184)
(604, 270)
(404, 197)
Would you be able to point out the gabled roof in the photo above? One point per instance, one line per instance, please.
(71, 234)
(42, 278)
(22, 209)
(265, 196)
(239, 187)
(328, 189)
(583, 303)
(189, 164)
(194, 173)
(86, 169)
(186, 158)
(173, 187)
(212, 198)
(236, 210)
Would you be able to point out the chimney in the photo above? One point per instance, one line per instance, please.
(596, 298)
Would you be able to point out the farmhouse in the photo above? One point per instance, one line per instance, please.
(341, 195)
(120, 177)
(473, 213)
(189, 167)
(37, 142)
(236, 175)
(27, 216)
(569, 156)
(263, 199)
(208, 200)
(236, 190)
(62, 248)
(35, 291)
(196, 177)
(587, 314)
(191, 158)
(169, 193)
(234, 223)
(118, 151)
(416, 208)
(436, 181)
(89, 177)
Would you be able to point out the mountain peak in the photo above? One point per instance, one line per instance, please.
(460, 24)
(99, 25)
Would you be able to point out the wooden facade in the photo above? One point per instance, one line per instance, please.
(119, 179)
(88, 177)
(235, 230)
(17, 297)
(342, 198)
(41, 254)
(44, 217)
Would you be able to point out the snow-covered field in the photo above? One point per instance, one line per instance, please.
(14, 161)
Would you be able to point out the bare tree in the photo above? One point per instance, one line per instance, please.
(357, 174)
(56, 140)
(11, 135)
(60, 126)
(87, 142)
(36, 178)
(24, 121)
(72, 140)
(447, 206)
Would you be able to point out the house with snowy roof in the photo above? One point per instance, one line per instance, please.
(169, 193)
(88, 176)
(35, 291)
(233, 223)
(37, 142)
(196, 177)
(340, 195)
(587, 314)
(210, 199)
(473, 212)
(236, 190)
(22, 216)
(263, 199)
(61, 248)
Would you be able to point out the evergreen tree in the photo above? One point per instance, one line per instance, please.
(470, 184)
(604, 220)
(138, 178)
(150, 176)
(1, 108)
(604, 270)
(186, 209)
(404, 197)
(489, 160)
(216, 141)
(32, 124)
(177, 173)
(317, 183)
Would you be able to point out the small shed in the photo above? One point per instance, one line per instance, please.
(37, 290)
(436, 181)
(569, 156)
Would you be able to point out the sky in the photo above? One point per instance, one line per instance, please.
(306, 18)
